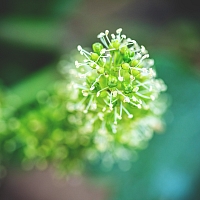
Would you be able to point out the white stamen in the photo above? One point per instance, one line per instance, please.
(119, 30)
(101, 116)
(79, 47)
(120, 111)
(78, 105)
(115, 116)
(134, 104)
(89, 104)
(112, 36)
(102, 130)
(114, 101)
(92, 121)
(136, 89)
(123, 36)
(114, 128)
(94, 106)
(130, 41)
(78, 86)
(143, 96)
(84, 52)
(120, 78)
(82, 75)
(101, 35)
(130, 116)
(92, 87)
(97, 79)
(98, 93)
(97, 67)
(143, 85)
(127, 99)
(85, 93)
(143, 50)
(104, 60)
(104, 109)
(103, 51)
(104, 41)
(152, 73)
(114, 93)
(127, 112)
(107, 32)
(134, 98)
(143, 57)
(76, 62)
(152, 97)
(106, 102)
(145, 106)
(144, 70)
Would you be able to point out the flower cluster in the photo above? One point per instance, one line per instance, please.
(116, 82)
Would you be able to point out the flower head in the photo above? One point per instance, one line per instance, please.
(118, 77)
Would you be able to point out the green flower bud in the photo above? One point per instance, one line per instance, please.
(134, 72)
(94, 56)
(115, 44)
(93, 65)
(125, 66)
(103, 94)
(124, 49)
(131, 54)
(97, 47)
(112, 81)
(134, 63)
(100, 70)
(126, 57)
(128, 88)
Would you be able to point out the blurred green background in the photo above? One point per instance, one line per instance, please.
(34, 36)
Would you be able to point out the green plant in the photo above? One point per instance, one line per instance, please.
(107, 106)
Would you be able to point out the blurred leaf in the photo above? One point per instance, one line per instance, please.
(28, 88)
(34, 33)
